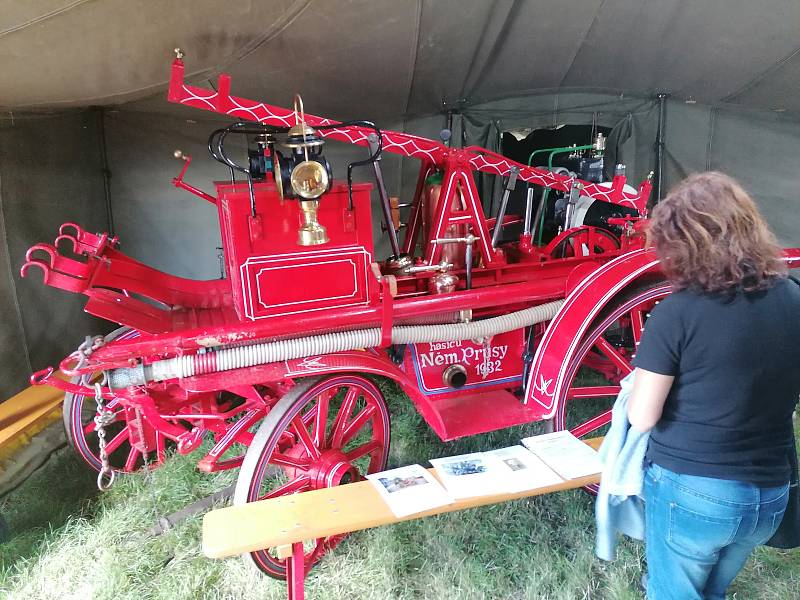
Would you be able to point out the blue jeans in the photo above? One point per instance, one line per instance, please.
(700, 531)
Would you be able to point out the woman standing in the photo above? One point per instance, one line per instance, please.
(717, 378)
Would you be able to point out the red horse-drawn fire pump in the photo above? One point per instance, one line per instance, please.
(275, 364)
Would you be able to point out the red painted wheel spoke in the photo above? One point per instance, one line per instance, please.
(363, 450)
(594, 391)
(115, 442)
(310, 416)
(130, 463)
(352, 429)
(321, 419)
(285, 460)
(304, 437)
(593, 424)
(295, 485)
(339, 425)
(244, 437)
(614, 355)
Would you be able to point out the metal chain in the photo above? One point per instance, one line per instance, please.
(85, 349)
(102, 419)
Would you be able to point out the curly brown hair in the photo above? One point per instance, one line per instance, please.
(711, 238)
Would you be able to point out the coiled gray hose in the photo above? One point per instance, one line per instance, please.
(263, 353)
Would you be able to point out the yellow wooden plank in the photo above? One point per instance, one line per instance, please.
(24, 410)
(328, 511)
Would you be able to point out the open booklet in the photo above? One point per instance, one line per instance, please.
(526, 471)
(409, 490)
(501, 471)
(565, 454)
(468, 475)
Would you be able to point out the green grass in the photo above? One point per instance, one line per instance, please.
(69, 542)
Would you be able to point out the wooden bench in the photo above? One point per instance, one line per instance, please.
(284, 522)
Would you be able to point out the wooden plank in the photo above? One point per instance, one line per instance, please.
(329, 511)
(26, 409)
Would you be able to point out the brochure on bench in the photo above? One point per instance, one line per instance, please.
(409, 490)
(470, 475)
(524, 470)
(565, 454)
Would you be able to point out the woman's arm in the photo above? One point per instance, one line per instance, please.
(647, 398)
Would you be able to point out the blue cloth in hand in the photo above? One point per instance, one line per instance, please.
(619, 506)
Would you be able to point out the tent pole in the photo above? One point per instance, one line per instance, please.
(448, 125)
(662, 115)
(101, 134)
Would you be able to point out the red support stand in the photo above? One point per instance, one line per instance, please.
(296, 573)
(387, 303)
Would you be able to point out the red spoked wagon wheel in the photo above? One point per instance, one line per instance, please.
(79, 413)
(602, 360)
(324, 432)
(582, 241)
(174, 406)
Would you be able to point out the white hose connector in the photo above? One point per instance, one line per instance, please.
(262, 353)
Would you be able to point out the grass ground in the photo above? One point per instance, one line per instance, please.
(66, 541)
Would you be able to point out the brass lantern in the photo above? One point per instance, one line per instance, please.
(304, 174)
(310, 180)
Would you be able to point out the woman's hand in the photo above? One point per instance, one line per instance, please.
(646, 402)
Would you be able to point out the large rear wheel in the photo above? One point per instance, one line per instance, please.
(603, 358)
(324, 432)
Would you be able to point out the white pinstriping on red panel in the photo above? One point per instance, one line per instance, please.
(204, 99)
(357, 136)
(267, 113)
(503, 167)
(416, 152)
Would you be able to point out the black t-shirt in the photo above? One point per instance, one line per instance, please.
(736, 363)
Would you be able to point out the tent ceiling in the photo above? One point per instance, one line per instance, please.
(383, 58)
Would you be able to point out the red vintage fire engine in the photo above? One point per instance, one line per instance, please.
(280, 357)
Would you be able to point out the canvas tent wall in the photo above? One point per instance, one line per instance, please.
(499, 65)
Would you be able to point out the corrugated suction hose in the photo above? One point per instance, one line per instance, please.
(262, 353)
